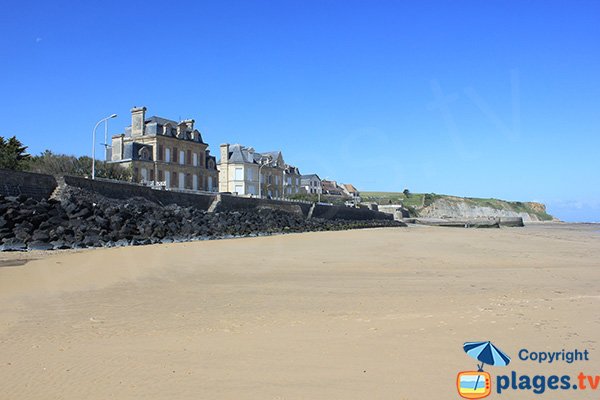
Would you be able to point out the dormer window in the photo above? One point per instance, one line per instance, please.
(144, 153)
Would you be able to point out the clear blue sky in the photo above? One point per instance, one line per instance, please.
(474, 98)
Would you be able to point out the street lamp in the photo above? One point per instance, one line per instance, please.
(265, 160)
(94, 142)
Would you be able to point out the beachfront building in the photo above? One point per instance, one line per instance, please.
(351, 191)
(331, 188)
(292, 183)
(311, 184)
(244, 171)
(165, 153)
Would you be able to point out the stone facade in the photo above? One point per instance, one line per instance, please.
(163, 152)
(292, 180)
(240, 166)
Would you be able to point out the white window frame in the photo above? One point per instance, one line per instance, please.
(238, 174)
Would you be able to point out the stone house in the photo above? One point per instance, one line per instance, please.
(351, 191)
(332, 188)
(311, 184)
(161, 152)
(240, 166)
(292, 179)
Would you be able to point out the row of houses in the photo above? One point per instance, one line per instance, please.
(174, 155)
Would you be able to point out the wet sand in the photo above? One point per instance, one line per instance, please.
(366, 314)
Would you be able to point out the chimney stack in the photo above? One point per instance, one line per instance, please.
(138, 118)
(190, 124)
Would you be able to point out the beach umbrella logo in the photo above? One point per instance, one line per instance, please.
(478, 384)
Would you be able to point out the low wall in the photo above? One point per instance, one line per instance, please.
(348, 213)
(40, 186)
(228, 202)
(117, 190)
(14, 183)
(232, 203)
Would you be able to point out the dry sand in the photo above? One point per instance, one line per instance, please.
(369, 314)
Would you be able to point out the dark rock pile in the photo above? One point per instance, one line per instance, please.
(82, 219)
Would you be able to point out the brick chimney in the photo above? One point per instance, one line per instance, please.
(138, 117)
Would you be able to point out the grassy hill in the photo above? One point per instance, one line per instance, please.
(415, 202)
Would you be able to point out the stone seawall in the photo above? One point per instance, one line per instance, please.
(41, 186)
(85, 213)
(231, 203)
(118, 190)
(84, 218)
(124, 190)
(15, 183)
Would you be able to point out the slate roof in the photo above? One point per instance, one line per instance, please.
(242, 154)
(161, 121)
(310, 176)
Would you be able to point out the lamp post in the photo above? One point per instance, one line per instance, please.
(263, 161)
(94, 142)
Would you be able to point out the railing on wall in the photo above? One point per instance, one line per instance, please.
(162, 186)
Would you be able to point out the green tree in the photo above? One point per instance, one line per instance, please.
(13, 154)
(62, 164)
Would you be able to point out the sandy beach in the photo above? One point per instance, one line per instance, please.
(364, 314)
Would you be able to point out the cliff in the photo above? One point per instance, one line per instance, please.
(430, 205)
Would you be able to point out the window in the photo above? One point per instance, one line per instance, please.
(167, 178)
(239, 174)
(144, 153)
(168, 155)
(152, 174)
(160, 150)
(195, 162)
(173, 179)
(195, 182)
(249, 174)
(210, 184)
(188, 159)
(174, 154)
(181, 180)
(161, 176)
(181, 157)
(239, 189)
